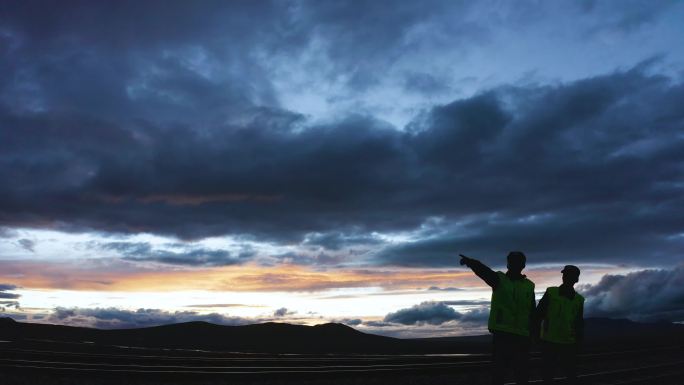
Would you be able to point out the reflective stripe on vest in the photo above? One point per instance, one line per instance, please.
(512, 302)
(560, 318)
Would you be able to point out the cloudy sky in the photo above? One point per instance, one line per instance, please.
(316, 161)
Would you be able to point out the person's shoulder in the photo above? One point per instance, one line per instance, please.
(529, 281)
(579, 297)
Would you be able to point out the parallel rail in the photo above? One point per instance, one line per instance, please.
(645, 375)
(21, 360)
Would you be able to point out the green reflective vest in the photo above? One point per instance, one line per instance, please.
(512, 303)
(561, 317)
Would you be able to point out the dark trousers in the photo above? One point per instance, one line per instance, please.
(510, 351)
(562, 356)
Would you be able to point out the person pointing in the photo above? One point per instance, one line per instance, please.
(511, 316)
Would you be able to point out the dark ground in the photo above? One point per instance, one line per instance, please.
(616, 352)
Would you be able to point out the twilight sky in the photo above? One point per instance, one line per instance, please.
(316, 161)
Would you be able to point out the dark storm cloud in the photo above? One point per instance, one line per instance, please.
(189, 256)
(9, 295)
(580, 171)
(433, 313)
(646, 295)
(466, 302)
(378, 324)
(112, 120)
(350, 321)
(125, 248)
(363, 39)
(180, 61)
(436, 313)
(310, 259)
(437, 288)
(631, 16)
(336, 240)
(475, 317)
(282, 312)
(7, 287)
(114, 318)
(426, 83)
(220, 305)
(366, 37)
(131, 58)
(27, 244)
(575, 172)
(7, 298)
(207, 62)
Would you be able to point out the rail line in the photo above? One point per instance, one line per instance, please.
(612, 374)
(66, 365)
(311, 358)
(60, 364)
(294, 367)
(619, 373)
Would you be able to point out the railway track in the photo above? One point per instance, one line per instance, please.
(188, 366)
(648, 374)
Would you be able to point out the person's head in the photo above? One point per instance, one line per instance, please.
(515, 261)
(571, 274)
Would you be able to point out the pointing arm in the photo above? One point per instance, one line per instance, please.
(481, 270)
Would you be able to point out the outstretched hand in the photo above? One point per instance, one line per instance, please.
(481, 270)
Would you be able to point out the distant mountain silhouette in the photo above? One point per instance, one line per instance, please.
(266, 337)
(626, 333)
(325, 338)
(599, 333)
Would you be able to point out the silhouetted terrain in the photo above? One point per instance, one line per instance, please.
(277, 353)
(325, 338)
(267, 337)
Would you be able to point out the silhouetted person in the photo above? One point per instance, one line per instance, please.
(511, 315)
(560, 313)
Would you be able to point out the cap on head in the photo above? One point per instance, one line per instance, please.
(572, 270)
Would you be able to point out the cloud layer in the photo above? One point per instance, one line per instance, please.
(113, 318)
(437, 313)
(580, 171)
(322, 126)
(433, 313)
(646, 295)
(7, 298)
